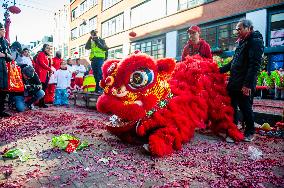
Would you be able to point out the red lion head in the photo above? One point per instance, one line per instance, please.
(133, 86)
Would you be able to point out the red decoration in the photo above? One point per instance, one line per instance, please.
(75, 53)
(72, 146)
(132, 34)
(14, 9)
(7, 28)
(15, 81)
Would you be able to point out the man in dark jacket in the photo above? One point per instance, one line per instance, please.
(33, 89)
(243, 74)
(5, 57)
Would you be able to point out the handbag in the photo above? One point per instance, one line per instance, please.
(15, 80)
(52, 78)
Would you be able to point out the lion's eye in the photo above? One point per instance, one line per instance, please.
(141, 78)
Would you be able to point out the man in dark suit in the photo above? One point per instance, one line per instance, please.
(5, 57)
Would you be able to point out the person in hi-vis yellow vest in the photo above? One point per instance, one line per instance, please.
(98, 54)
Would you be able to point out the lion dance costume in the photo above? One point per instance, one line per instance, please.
(162, 102)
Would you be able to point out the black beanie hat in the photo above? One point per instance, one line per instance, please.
(28, 71)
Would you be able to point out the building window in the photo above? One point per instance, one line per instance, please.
(221, 37)
(74, 14)
(93, 23)
(115, 53)
(154, 47)
(227, 37)
(74, 33)
(182, 39)
(72, 52)
(112, 26)
(81, 50)
(83, 7)
(148, 12)
(65, 50)
(92, 3)
(277, 30)
(109, 3)
(172, 6)
(83, 29)
(187, 4)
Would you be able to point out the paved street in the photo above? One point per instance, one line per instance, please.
(207, 161)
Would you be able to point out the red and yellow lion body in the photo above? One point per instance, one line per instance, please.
(164, 101)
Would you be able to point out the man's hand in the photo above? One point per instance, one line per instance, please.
(246, 91)
(2, 54)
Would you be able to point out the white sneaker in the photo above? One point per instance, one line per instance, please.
(229, 140)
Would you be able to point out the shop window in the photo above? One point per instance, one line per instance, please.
(219, 36)
(154, 47)
(182, 39)
(277, 30)
(276, 62)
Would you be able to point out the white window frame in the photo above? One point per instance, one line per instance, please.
(113, 25)
(93, 22)
(109, 3)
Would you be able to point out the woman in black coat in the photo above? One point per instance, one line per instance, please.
(5, 56)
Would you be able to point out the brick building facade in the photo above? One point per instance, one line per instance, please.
(160, 25)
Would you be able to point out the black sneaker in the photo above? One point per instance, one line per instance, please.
(5, 114)
(43, 106)
(32, 107)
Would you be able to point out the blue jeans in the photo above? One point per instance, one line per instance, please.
(61, 97)
(20, 103)
(97, 71)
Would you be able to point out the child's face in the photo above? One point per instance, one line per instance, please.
(63, 65)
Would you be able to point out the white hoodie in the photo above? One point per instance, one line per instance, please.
(63, 79)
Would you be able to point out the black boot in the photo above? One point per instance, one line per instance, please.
(4, 114)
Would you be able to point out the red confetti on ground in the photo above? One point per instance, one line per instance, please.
(205, 162)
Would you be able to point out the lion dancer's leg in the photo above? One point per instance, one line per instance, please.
(166, 135)
(221, 117)
(164, 141)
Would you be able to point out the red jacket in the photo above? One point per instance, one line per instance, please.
(56, 62)
(42, 66)
(202, 48)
